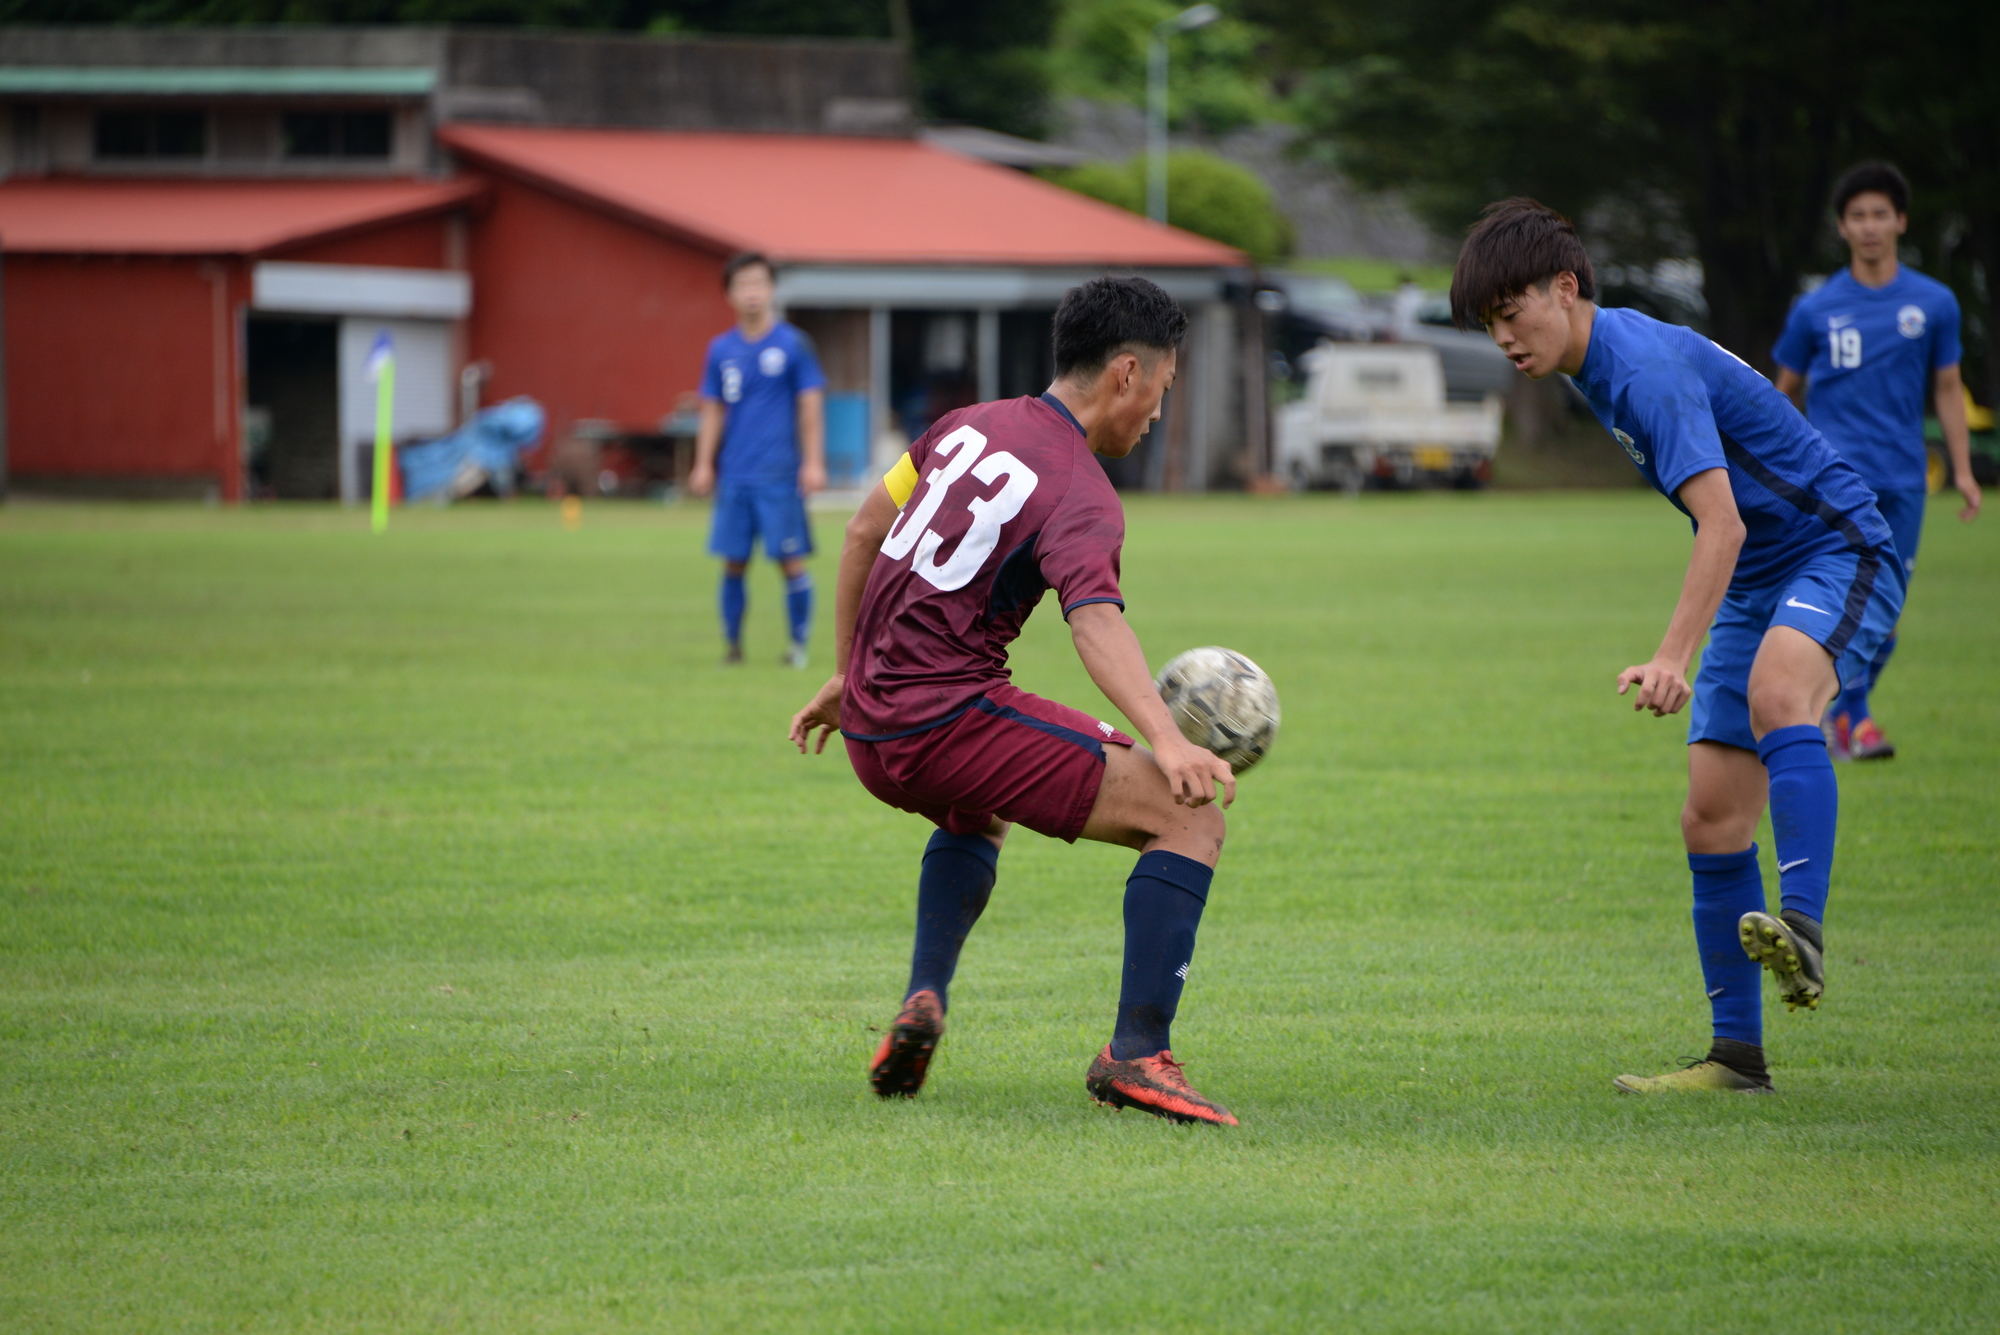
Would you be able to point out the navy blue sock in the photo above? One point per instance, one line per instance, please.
(1727, 886)
(957, 880)
(734, 600)
(799, 604)
(1805, 809)
(1164, 898)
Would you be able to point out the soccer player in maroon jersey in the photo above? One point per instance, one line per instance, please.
(997, 504)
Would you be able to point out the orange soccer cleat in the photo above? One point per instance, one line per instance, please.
(1153, 1084)
(905, 1055)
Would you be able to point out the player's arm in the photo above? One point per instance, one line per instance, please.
(707, 439)
(812, 441)
(1111, 655)
(858, 550)
(1793, 386)
(1948, 391)
(1663, 685)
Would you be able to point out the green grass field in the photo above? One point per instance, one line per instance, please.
(424, 933)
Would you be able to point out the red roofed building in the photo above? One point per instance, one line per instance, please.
(181, 319)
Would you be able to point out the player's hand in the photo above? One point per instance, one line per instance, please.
(701, 480)
(812, 478)
(823, 713)
(1194, 773)
(1663, 686)
(1968, 487)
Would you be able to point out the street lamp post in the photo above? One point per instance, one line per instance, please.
(1199, 16)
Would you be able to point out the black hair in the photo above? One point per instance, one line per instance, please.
(745, 259)
(1516, 244)
(1099, 319)
(1880, 178)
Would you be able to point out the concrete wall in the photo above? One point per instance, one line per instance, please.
(800, 86)
(176, 47)
(576, 79)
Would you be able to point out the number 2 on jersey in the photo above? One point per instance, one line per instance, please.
(912, 531)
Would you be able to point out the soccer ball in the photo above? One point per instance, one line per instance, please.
(1222, 701)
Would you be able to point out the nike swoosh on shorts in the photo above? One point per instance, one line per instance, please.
(1793, 602)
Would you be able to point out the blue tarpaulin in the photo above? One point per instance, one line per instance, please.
(486, 450)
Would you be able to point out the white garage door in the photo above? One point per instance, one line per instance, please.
(424, 382)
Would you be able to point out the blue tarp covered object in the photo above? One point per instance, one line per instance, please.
(485, 450)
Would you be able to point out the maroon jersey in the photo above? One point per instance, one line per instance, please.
(1007, 501)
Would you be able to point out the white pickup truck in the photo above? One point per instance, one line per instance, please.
(1378, 410)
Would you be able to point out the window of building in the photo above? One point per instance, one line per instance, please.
(151, 134)
(336, 134)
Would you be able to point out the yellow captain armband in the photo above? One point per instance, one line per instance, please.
(901, 480)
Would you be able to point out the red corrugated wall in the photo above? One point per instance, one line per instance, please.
(123, 367)
(594, 317)
(112, 362)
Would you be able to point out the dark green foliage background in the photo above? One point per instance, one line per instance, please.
(1694, 128)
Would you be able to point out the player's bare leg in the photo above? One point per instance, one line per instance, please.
(1136, 809)
(1179, 846)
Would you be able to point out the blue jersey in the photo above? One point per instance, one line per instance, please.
(1680, 405)
(1867, 354)
(758, 385)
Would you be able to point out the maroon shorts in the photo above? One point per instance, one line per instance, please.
(1010, 754)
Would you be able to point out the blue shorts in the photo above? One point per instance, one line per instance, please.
(1904, 510)
(1847, 601)
(745, 509)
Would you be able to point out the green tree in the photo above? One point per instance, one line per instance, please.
(1704, 127)
(1218, 81)
(984, 62)
(1207, 195)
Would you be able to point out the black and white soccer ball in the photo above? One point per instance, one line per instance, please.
(1222, 701)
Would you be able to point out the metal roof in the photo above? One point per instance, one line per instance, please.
(171, 81)
(830, 200)
(109, 216)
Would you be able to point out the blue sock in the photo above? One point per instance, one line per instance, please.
(1727, 886)
(734, 600)
(952, 891)
(1805, 808)
(1164, 898)
(799, 603)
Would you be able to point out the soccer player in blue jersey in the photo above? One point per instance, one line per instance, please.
(1862, 355)
(1794, 578)
(760, 448)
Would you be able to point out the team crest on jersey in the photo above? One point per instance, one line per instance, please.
(1910, 322)
(771, 361)
(732, 382)
(1638, 455)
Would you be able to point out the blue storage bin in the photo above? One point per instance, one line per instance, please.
(846, 439)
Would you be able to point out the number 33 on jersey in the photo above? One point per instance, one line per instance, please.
(965, 449)
(999, 503)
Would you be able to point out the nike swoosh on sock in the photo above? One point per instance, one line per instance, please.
(1795, 862)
